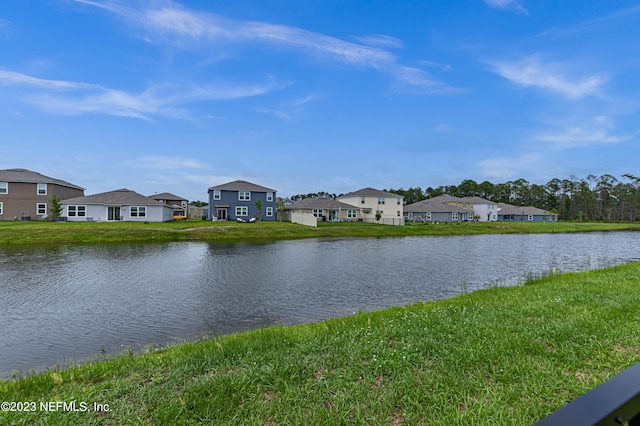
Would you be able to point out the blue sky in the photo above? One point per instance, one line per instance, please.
(318, 95)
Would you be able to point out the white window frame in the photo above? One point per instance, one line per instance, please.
(138, 211)
(380, 200)
(41, 189)
(269, 196)
(1, 208)
(41, 209)
(269, 211)
(244, 195)
(362, 200)
(454, 216)
(216, 194)
(317, 212)
(398, 213)
(4, 187)
(530, 218)
(427, 216)
(399, 201)
(77, 211)
(352, 213)
(242, 211)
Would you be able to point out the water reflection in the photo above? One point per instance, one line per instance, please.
(71, 302)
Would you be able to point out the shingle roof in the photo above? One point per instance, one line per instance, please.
(477, 200)
(504, 208)
(433, 205)
(320, 203)
(166, 196)
(27, 176)
(370, 192)
(241, 185)
(120, 196)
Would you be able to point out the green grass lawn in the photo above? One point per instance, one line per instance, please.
(505, 355)
(40, 232)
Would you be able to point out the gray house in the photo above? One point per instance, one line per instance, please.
(237, 201)
(438, 209)
(122, 204)
(511, 213)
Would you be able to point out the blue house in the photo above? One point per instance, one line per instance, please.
(510, 213)
(237, 201)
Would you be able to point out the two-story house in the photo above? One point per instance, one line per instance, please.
(25, 194)
(180, 205)
(373, 203)
(237, 200)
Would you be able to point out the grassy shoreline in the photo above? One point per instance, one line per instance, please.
(505, 355)
(38, 232)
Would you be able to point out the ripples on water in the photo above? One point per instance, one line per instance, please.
(71, 302)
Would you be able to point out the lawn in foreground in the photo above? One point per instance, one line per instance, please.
(498, 356)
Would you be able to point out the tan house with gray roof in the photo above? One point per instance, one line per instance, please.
(324, 209)
(122, 204)
(25, 194)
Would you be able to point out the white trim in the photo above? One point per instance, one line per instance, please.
(38, 206)
(1, 206)
(4, 188)
(38, 188)
(269, 211)
(244, 195)
(216, 194)
(242, 211)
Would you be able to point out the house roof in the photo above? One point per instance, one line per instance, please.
(241, 185)
(477, 200)
(166, 196)
(27, 176)
(504, 208)
(320, 203)
(445, 198)
(120, 196)
(370, 192)
(433, 205)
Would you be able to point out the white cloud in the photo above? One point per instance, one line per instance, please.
(74, 98)
(507, 4)
(531, 72)
(578, 136)
(177, 25)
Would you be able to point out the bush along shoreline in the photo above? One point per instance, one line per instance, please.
(505, 355)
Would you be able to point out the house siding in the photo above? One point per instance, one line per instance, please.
(22, 199)
(230, 198)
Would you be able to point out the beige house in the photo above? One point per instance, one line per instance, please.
(25, 194)
(373, 201)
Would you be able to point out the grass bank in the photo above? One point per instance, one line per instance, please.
(506, 355)
(39, 232)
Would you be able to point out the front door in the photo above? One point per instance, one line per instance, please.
(113, 213)
(221, 214)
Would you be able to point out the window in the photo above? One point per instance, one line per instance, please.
(4, 187)
(317, 212)
(244, 195)
(464, 205)
(216, 194)
(42, 189)
(380, 212)
(380, 200)
(399, 201)
(76, 211)
(362, 200)
(530, 217)
(269, 196)
(269, 211)
(469, 216)
(351, 214)
(41, 208)
(138, 211)
(242, 211)
(454, 216)
(427, 216)
(398, 213)
(0, 208)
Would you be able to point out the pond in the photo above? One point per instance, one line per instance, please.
(67, 303)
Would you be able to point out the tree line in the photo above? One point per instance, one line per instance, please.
(593, 198)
